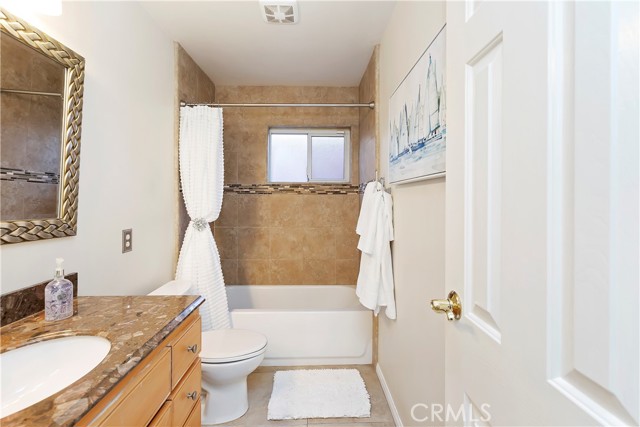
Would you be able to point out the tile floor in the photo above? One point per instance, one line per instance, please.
(261, 383)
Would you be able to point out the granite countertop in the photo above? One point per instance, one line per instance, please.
(134, 325)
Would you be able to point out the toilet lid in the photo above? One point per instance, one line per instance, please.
(231, 345)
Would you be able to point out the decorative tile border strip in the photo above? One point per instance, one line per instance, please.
(292, 188)
(9, 174)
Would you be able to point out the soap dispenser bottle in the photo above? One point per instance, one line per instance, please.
(58, 296)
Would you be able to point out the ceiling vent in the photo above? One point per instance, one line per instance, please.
(279, 11)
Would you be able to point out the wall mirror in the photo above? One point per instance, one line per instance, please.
(41, 87)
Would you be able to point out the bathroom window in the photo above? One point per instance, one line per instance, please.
(309, 155)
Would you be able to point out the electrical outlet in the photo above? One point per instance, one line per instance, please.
(127, 240)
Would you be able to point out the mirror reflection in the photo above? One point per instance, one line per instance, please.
(31, 116)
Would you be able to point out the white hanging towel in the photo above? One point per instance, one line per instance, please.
(202, 175)
(375, 287)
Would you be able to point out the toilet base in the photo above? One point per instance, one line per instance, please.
(225, 403)
(225, 388)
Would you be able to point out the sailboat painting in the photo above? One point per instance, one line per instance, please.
(417, 111)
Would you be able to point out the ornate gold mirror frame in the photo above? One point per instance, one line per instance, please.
(66, 223)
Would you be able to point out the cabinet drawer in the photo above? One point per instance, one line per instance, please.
(184, 351)
(164, 417)
(195, 419)
(186, 394)
(140, 405)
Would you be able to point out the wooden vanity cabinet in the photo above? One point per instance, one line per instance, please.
(163, 390)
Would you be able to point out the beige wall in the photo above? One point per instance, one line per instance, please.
(411, 348)
(192, 86)
(127, 174)
(284, 239)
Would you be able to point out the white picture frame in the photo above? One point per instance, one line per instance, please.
(417, 118)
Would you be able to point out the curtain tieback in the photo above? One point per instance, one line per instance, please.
(199, 224)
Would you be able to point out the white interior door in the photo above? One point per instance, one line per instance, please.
(542, 212)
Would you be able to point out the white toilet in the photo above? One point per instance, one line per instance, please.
(228, 356)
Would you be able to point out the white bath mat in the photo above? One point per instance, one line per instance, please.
(318, 393)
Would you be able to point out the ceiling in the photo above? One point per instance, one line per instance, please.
(330, 46)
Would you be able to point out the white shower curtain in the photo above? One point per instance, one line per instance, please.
(202, 175)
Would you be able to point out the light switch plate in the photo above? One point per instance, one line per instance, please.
(127, 240)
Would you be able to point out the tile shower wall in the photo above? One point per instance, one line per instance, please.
(369, 147)
(193, 85)
(29, 124)
(285, 238)
(369, 142)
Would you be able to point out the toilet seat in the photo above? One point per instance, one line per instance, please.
(231, 345)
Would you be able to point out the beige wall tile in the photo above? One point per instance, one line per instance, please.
(12, 196)
(28, 200)
(319, 210)
(252, 165)
(286, 243)
(319, 272)
(40, 200)
(347, 271)
(253, 243)
(286, 210)
(229, 212)
(234, 133)
(253, 272)
(346, 211)
(205, 88)
(355, 156)
(286, 271)
(44, 130)
(48, 76)
(230, 271)
(193, 84)
(16, 72)
(230, 167)
(14, 130)
(187, 77)
(254, 210)
(346, 243)
(368, 120)
(227, 242)
(367, 153)
(319, 244)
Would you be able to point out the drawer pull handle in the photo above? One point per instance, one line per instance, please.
(193, 395)
(193, 348)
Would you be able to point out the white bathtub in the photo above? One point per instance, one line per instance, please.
(305, 324)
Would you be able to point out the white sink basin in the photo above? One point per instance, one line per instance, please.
(36, 371)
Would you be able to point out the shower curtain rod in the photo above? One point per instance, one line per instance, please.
(216, 104)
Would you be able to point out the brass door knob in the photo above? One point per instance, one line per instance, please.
(452, 306)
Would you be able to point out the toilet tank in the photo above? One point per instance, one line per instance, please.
(174, 287)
